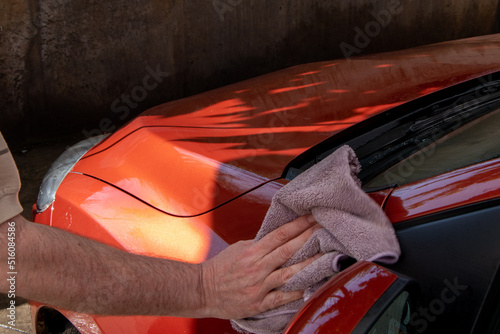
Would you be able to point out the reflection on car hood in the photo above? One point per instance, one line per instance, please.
(189, 156)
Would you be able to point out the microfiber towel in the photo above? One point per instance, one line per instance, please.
(354, 226)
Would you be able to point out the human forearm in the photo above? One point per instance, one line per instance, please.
(68, 271)
(104, 280)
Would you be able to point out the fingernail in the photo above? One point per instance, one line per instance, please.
(311, 219)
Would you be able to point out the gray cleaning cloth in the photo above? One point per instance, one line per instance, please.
(353, 226)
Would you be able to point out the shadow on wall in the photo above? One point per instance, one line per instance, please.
(73, 66)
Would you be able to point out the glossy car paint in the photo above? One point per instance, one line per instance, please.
(225, 142)
(468, 185)
(341, 303)
(190, 176)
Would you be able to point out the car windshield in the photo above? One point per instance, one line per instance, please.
(471, 143)
(443, 131)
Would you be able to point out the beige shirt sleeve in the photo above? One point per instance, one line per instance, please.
(9, 184)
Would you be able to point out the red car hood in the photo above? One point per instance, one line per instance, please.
(189, 156)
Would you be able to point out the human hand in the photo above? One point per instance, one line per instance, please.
(241, 280)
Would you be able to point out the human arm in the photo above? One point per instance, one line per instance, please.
(76, 273)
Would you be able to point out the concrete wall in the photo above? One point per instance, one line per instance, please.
(91, 65)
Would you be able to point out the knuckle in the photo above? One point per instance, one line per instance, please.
(278, 299)
(247, 255)
(285, 252)
(282, 235)
(286, 274)
(245, 246)
(245, 243)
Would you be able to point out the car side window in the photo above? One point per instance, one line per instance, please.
(479, 138)
(396, 318)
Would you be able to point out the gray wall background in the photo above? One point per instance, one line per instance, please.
(88, 66)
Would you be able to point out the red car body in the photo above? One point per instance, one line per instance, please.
(188, 177)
